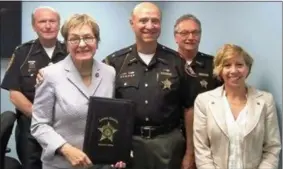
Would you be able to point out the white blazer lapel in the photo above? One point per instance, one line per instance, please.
(96, 76)
(74, 76)
(255, 106)
(217, 109)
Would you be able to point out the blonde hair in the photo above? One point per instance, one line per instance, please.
(227, 52)
(80, 20)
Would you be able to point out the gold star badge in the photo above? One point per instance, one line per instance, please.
(107, 132)
(203, 83)
(166, 84)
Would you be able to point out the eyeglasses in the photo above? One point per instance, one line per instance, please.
(187, 33)
(87, 40)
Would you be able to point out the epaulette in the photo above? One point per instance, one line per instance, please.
(121, 51)
(169, 50)
(206, 55)
(17, 48)
(25, 44)
(118, 53)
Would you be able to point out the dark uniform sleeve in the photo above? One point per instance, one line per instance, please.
(189, 87)
(11, 80)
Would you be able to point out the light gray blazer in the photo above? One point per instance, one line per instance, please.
(60, 107)
(261, 143)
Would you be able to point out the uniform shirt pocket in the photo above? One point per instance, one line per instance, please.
(127, 83)
(126, 87)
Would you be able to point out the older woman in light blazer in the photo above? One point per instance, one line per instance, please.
(61, 101)
(235, 125)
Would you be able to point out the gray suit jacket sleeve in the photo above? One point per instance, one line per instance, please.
(42, 115)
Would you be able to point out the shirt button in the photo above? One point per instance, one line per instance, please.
(146, 119)
(146, 69)
(146, 85)
(125, 84)
(146, 102)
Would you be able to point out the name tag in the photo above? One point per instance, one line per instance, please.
(203, 74)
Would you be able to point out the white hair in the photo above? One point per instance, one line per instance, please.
(44, 7)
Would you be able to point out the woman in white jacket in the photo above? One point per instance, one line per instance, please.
(235, 125)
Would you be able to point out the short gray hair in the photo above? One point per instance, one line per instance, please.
(184, 18)
(44, 7)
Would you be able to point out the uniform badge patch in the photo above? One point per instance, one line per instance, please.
(166, 84)
(32, 67)
(166, 72)
(10, 62)
(203, 83)
(203, 74)
(127, 74)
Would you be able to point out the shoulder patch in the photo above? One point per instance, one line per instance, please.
(10, 62)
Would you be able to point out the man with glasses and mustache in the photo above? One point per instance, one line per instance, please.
(153, 76)
(20, 79)
(187, 33)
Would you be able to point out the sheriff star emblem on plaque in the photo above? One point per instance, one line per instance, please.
(107, 132)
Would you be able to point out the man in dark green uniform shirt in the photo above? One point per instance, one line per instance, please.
(20, 79)
(153, 76)
(187, 33)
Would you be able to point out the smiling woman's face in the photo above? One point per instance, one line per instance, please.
(82, 43)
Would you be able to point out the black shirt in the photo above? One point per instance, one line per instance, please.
(26, 60)
(161, 89)
(202, 70)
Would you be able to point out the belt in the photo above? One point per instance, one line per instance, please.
(153, 131)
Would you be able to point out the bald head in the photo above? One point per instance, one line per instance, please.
(43, 8)
(139, 8)
(145, 22)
